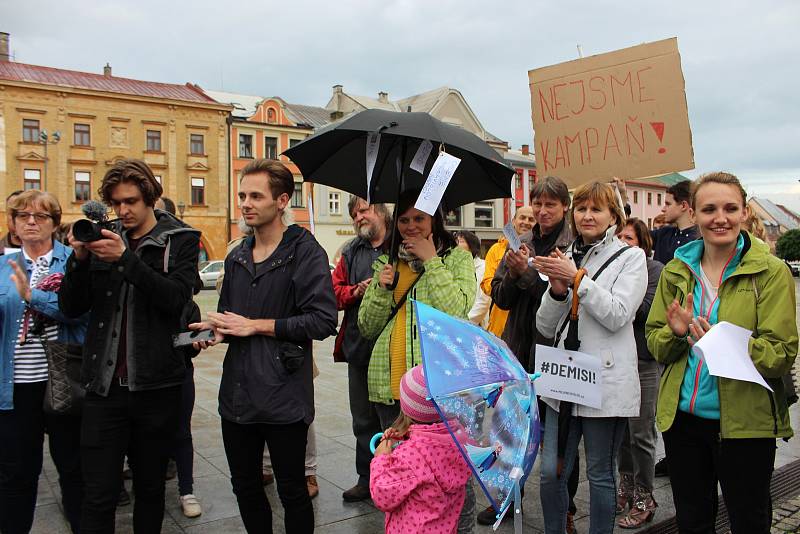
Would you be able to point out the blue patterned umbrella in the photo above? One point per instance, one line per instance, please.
(485, 398)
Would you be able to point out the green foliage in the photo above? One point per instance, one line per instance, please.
(788, 246)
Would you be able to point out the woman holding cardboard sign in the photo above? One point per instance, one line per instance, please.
(605, 281)
(719, 429)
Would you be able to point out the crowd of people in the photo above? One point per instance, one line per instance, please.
(643, 298)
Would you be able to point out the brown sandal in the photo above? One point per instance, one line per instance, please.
(624, 494)
(642, 511)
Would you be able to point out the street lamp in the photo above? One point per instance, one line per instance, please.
(45, 140)
(181, 208)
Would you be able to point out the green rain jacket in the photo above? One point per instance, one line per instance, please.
(758, 295)
(447, 284)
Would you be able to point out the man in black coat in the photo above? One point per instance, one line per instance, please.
(276, 298)
(135, 282)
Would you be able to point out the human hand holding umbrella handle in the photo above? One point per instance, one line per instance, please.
(388, 277)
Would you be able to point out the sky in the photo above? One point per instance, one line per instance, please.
(741, 60)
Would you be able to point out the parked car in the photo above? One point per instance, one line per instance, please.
(793, 267)
(209, 271)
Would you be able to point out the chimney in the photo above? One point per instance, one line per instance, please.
(338, 89)
(383, 97)
(526, 150)
(107, 70)
(5, 55)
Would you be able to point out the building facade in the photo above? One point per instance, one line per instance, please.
(60, 131)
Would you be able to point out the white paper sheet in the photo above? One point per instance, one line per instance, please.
(511, 234)
(442, 171)
(725, 349)
(421, 156)
(569, 375)
(373, 144)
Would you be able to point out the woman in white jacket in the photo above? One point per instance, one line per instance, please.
(605, 329)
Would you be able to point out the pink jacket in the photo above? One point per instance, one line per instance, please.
(421, 484)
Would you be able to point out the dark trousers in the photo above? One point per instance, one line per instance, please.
(141, 424)
(184, 449)
(21, 451)
(366, 422)
(698, 459)
(387, 413)
(244, 448)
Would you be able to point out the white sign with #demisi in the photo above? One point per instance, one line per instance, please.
(435, 185)
(569, 375)
(373, 144)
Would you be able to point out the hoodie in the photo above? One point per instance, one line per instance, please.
(421, 485)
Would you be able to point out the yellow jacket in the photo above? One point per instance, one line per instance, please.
(497, 316)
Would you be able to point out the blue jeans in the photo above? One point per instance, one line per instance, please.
(601, 440)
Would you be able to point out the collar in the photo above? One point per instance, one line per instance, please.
(48, 257)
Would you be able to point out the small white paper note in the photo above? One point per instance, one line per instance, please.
(511, 234)
(569, 375)
(421, 157)
(10, 250)
(311, 213)
(442, 171)
(373, 144)
(725, 349)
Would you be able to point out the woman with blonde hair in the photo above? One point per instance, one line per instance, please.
(609, 279)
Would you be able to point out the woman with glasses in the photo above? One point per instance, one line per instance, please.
(29, 316)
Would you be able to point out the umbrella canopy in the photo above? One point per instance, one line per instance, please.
(485, 398)
(336, 156)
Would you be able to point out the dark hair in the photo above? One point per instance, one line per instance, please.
(441, 237)
(380, 209)
(13, 194)
(681, 191)
(552, 187)
(472, 240)
(133, 171)
(280, 178)
(642, 234)
(169, 205)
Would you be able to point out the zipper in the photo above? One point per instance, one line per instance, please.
(774, 415)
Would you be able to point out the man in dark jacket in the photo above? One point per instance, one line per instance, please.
(276, 298)
(351, 277)
(135, 282)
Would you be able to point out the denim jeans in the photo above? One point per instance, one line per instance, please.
(637, 455)
(601, 439)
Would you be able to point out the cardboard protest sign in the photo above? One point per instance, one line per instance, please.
(617, 114)
(569, 375)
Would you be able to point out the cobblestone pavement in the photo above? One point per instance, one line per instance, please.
(335, 473)
(786, 516)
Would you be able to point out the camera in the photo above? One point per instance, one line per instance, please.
(88, 230)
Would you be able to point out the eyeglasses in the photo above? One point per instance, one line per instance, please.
(23, 216)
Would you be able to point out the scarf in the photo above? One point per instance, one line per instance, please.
(544, 244)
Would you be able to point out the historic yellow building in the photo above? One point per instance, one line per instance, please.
(60, 130)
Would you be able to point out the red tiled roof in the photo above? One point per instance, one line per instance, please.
(98, 82)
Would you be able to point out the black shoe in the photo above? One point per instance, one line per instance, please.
(356, 494)
(124, 498)
(662, 468)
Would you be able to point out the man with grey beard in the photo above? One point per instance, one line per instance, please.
(351, 277)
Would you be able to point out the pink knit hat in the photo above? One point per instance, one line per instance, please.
(414, 397)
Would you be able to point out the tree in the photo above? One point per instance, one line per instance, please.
(788, 246)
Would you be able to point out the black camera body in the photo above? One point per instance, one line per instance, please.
(89, 229)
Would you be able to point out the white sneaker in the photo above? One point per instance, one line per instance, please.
(190, 505)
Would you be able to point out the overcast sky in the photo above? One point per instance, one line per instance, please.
(741, 60)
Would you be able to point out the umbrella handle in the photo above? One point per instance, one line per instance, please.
(534, 376)
(373, 443)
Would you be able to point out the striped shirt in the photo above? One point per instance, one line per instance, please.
(30, 361)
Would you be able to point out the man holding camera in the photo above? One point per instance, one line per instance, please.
(277, 296)
(135, 281)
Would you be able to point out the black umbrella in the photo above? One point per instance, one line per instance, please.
(336, 156)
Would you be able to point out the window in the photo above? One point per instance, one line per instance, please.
(83, 183)
(297, 196)
(271, 147)
(196, 145)
(453, 217)
(30, 130)
(518, 180)
(154, 140)
(484, 214)
(198, 191)
(245, 146)
(334, 204)
(158, 178)
(33, 179)
(531, 182)
(82, 135)
(650, 223)
(293, 142)
(658, 198)
(635, 197)
(649, 198)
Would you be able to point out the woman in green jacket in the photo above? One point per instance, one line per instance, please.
(718, 429)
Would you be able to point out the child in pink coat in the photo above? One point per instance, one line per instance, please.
(421, 484)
